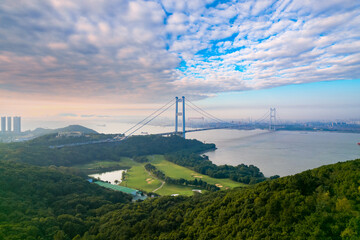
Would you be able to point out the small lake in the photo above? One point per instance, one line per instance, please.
(109, 176)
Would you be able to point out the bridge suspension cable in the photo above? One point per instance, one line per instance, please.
(152, 118)
(193, 108)
(264, 117)
(147, 117)
(206, 114)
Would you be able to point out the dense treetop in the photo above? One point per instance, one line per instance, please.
(317, 204)
(47, 202)
(40, 202)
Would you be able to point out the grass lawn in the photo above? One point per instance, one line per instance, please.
(175, 171)
(137, 177)
(169, 189)
(124, 163)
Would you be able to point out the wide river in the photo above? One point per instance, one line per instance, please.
(283, 152)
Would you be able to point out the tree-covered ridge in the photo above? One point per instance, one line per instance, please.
(202, 164)
(37, 151)
(323, 203)
(40, 202)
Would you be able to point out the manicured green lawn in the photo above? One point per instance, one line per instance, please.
(137, 177)
(169, 189)
(175, 171)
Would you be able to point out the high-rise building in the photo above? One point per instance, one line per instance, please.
(3, 124)
(9, 124)
(17, 124)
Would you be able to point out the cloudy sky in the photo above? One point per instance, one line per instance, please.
(65, 58)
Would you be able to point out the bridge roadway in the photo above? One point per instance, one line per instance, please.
(194, 130)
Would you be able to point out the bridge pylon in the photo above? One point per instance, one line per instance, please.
(179, 114)
(272, 120)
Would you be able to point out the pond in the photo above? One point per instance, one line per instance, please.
(112, 177)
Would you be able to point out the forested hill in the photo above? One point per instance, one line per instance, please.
(43, 202)
(37, 151)
(323, 203)
(51, 203)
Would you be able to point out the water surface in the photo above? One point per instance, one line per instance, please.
(109, 176)
(282, 152)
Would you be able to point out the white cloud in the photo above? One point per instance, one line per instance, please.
(134, 48)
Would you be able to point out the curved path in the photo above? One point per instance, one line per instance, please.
(162, 182)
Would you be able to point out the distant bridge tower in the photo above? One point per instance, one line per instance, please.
(272, 120)
(179, 114)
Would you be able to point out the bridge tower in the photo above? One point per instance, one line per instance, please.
(179, 114)
(183, 115)
(176, 114)
(272, 120)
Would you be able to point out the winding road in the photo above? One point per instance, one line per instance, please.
(162, 182)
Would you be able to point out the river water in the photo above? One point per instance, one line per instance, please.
(282, 152)
(275, 153)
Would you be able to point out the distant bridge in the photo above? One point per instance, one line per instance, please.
(269, 115)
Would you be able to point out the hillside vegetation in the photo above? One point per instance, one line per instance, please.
(43, 202)
(323, 203)
(47, 203)
(37, 151)
(51, 201)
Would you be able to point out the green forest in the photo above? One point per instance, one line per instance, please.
(53, 203)
(43, 197)
(38, 151)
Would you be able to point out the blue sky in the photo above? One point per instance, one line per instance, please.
(329, 101)
(137, 54)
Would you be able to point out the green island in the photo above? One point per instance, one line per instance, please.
(45, 194)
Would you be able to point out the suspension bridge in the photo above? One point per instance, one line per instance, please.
(181, 104)
(180, 113)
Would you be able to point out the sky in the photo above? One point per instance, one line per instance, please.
(119, 60)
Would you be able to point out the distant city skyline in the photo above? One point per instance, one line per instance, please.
(64, 61)
(10, 124)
